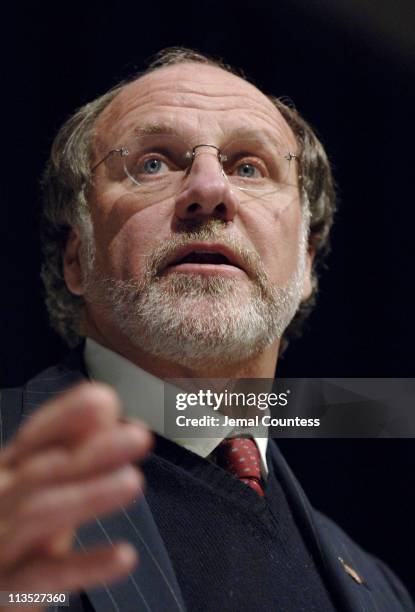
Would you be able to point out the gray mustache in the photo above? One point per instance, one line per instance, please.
(213, 230)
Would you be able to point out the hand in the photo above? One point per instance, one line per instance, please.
(68, 463)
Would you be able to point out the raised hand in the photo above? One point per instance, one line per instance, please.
(68, 463)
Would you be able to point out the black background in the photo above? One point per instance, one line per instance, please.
(357, 88)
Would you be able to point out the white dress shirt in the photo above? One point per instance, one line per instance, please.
(142, 397)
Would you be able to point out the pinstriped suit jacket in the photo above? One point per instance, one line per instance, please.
(153, 585)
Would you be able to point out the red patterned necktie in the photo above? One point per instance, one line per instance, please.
(240, 457)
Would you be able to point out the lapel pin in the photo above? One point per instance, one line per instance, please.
(351, 572)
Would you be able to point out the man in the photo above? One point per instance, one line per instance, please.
(184, 215)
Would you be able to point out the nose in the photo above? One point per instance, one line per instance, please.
(207, 191)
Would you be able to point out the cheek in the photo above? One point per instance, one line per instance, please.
(277, 236)
(126, 235)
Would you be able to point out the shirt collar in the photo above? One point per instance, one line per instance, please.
(142, 397)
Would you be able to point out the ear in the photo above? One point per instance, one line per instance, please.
(72, 270)
(307, 282)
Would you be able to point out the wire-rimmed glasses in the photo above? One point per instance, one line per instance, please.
(157, 165)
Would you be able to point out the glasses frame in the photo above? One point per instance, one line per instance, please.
(191, 154)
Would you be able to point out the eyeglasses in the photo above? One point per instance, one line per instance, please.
(156, 165)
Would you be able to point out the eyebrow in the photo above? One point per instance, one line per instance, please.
(157, 128)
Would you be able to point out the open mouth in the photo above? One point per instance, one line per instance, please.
(205, 259)
(199, 257)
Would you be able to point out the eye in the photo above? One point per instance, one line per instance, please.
(154, 165)
(247, 170)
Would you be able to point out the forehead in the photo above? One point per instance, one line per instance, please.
(200, 102)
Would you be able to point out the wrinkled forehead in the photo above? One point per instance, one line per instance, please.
(200, 102)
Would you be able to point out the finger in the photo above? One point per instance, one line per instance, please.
(127, 443)
(60, 544)
(59, 508)
(75, 571)
(66, 420)
(107, 450)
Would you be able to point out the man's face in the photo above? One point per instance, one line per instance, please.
(239, 298)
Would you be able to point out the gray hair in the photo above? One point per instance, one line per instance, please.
(67, 180)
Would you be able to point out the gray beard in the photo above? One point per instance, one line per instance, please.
(191, 319)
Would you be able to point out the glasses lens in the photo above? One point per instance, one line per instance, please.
(152, 164)
(156, 165)
(259, 166)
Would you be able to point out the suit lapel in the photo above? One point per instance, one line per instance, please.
(329, 550)
(152, 585)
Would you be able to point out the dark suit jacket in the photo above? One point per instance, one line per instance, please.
(153, 585)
